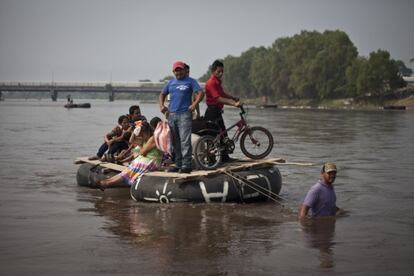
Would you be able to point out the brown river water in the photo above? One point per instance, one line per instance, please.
(51, 226)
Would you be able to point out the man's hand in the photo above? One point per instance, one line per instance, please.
(163, 109)
(237, 103)
(192, 107)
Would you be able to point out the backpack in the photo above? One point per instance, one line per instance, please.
(163, 137)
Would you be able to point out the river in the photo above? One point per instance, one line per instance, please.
(50, 226)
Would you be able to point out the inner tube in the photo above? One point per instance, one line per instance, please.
(216, 188)
(88, 173)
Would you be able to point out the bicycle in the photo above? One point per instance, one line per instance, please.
(209, 149)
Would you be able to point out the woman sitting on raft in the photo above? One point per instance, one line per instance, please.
(148, 160)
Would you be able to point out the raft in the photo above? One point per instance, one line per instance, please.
(82, 105)
(216, 188)
(238, 182)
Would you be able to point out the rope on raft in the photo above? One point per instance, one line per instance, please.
(268, 193)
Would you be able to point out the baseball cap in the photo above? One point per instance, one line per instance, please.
(329, 167)
(178, 64)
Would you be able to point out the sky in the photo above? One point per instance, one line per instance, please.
(131, 40)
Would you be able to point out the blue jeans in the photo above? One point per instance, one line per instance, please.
(180, 124)
(115, 147)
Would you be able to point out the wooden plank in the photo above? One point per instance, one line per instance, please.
(108, 165)
(179, 177)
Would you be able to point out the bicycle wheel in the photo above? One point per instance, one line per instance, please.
(256, 142)
(207, 153)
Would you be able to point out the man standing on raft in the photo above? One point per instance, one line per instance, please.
(216, 98)
(181, 108)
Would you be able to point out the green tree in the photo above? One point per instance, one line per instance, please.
(311, 65)
(260, 73)
(355, 78)
(377, 76)
(383, 75)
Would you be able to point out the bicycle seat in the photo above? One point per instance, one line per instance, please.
(204, 127)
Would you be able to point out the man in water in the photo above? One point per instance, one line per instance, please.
(216, 98)
(181, 89)
(321, 198)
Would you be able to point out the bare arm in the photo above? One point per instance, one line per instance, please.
(161, 101)
(117, 139)
(198, 98)
(231, 97)
(107, 139)
(148, 146)
(341, 212)
(127, 159)
(303, 212)
(228, 101)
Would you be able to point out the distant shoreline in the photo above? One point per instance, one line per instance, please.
(404, 98)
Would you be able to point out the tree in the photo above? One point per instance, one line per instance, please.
(311, 65)
(377, 76)
(260, 73)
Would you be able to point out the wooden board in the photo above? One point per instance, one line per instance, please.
(178, 177)
(112, 166)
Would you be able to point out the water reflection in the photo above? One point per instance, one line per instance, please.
(320, 233)
(186, 237)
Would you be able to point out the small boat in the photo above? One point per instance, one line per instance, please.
(82, 105)
(241, 182)
(394, 107)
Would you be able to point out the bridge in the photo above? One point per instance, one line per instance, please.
(97, 87)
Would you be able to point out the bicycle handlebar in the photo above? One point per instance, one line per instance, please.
(242, 109)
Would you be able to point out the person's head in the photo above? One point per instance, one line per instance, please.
(328, 173)
(154, 122)
(179, 70)
(187, 69)
(217, 68)
(143, 129)
(123, 122)
(135, 112)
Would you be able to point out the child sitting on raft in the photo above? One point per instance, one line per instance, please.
(115, 141)
(135, 143)
(148, 160)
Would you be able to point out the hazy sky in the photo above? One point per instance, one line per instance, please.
(90, 40)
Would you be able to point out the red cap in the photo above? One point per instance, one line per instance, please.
(178, 64)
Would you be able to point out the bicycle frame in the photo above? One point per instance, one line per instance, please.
(242, 126)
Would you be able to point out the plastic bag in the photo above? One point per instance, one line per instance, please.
(163, 137)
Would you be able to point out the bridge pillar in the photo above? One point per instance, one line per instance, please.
(53, 94)
(111, 92)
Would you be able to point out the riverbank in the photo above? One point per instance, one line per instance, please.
(347, 104)
(402, 98)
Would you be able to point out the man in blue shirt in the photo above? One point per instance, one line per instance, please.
(321, 198)
(181, 90)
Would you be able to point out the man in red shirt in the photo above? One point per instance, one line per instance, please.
(216, 98)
